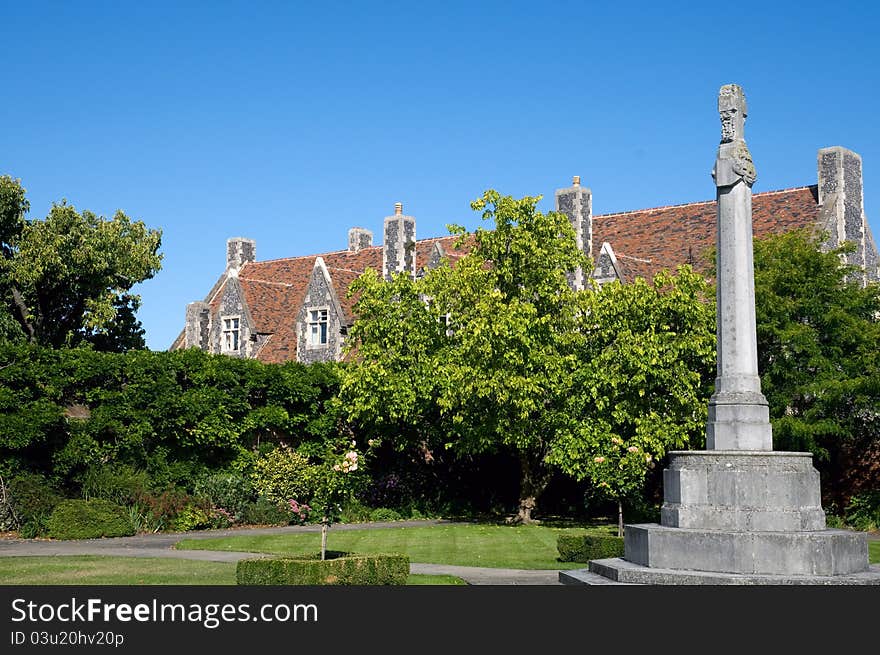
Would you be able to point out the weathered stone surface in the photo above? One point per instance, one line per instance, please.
(240, 251)
(576, 202)
(399, 244)
(198, 325)
(738, 413)
(742, 490)
(233, 305)
(620, 571)
(320, 294)
(842, 212)
(816, 552)
(607, 268)
(359, 238)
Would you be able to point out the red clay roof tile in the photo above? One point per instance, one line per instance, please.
(644, 243)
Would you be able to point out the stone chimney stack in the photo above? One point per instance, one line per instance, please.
(842, 207)
(576, 202)
(239, 251)
(198, 325)
(399, 244)
(359, 238)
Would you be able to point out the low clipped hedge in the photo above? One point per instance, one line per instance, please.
(338, 569)
(586, 547)
(89, 519)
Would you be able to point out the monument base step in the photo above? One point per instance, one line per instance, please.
(619, 571)
(810, 553)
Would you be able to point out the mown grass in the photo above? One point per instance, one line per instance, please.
(100, 570)
(493, 546)
(874, 552)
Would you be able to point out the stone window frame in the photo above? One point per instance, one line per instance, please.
(233, 332)
(310, 312)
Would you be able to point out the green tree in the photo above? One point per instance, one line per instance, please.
(477, 357)
(645, 355)
(66, 280)
(819, 359)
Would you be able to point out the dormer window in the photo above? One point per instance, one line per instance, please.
(318, 327)
(231, 334)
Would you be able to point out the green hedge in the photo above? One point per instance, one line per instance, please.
(337, 569)
(89, 519)
(586, 547)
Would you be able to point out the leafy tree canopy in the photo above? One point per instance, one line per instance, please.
(66, 280)
(819, 358)
(476, 357)
(646, 353)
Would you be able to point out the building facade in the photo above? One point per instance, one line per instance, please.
(297, 308)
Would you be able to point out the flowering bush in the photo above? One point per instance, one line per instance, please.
(283, 474)
(300, 511)
(337, 481)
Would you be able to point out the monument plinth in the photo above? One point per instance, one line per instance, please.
(738, 512)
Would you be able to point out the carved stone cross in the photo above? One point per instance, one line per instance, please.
(734, 161)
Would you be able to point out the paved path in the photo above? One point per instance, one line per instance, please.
(162, 545)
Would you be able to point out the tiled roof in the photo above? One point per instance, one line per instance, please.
(644, 242)
(649, 240)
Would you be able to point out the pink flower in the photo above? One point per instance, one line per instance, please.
(632, 449)
(598, 460)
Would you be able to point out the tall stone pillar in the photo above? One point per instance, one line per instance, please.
(739, 418)
(737, 512)
(576, 202)
(399, 244)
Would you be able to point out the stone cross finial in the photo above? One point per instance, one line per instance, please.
(734, 162)
(733, 109)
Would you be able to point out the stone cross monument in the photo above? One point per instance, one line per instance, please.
(738, 512)
(739, 418)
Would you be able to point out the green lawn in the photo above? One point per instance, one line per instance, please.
(99, 570)
(874, 552)
(421, 579)
(494, 546)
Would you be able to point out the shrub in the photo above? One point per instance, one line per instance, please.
(337, 569)
(265, 512)
(354, 511)
(33, 496)
(284, 474)
(586, 547)
(863, 511)
(88, 519)
(118, 483)
(229, 491)
(191, 517)
(8, 517)
(384, 514)
(160, 510)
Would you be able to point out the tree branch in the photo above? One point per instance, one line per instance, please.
(22, 317)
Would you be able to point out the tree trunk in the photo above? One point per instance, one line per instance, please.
(619, 517)
(324, 527)
(22, 317)
(533, 481)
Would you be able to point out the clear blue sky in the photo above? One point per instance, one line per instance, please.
(289, 123)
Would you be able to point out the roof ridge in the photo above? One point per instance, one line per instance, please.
(699, 202)
(253, 279)
(339, 252)
(638, 259)
(346, 270)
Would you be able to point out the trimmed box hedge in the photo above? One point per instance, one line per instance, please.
(586, 547)
(338, 569)
(89, 519)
